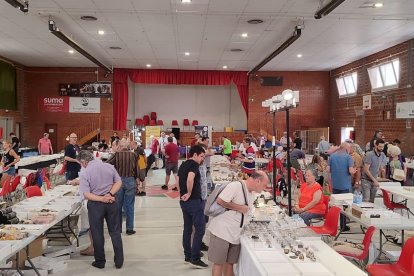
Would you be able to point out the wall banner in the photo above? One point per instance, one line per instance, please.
(84, 105)
(54, 104)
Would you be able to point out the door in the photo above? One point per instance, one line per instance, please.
(6, 125)
(52, 130)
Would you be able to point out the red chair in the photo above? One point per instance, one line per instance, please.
(300, 176)
(366, 242)
(326, 203)
(139, 122)
(393, 205)
(6, 186)
(33, 191)
(153, 116)
(186, 122)
(146, 119)
(174, 123)
(403, 267)
(14, 183)
(194, 123)
(152, 123)
(331, 223)
(160, 123)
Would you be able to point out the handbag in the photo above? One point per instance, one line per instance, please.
(398, 174)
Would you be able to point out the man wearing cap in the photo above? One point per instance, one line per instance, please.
(45, 145)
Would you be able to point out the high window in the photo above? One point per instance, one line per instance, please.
(347, 85)
(385, 76)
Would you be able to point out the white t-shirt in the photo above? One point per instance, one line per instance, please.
(227, 225)
(163, 142)
(243, 150)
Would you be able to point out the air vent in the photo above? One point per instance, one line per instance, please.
(88, 18)
(255, 21)
(115, 48)
(236, 50)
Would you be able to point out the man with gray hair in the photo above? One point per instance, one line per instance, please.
(99, 182)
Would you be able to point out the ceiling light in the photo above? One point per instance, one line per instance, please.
(255, 21)
(185, 1)
(23, 7)
(88, 18)
(148, 65)
(101, 32)
(378, 5)
(299, 55)
(244, 35)
(328, 8)
(187, 53)
(71, 51)
(115, 48)
(224, 66)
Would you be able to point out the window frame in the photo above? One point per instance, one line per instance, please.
(345, 82)
(383, 79)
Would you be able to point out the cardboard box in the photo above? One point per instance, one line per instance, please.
(35, 250)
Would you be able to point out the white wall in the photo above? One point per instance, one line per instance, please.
(217, 106)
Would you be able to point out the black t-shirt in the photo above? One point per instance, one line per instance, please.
(298, 143)
(16, 144)
(72, 152)
(113, 138)
(186, 167)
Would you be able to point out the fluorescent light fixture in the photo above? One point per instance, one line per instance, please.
(225, 67)
(187, 53)
(185, 1)
(55, 30)
(101, 32)
(299, 55)
(24, 7)
(244, 35)
(378, 5)
(328, 8)
(148, 65)
(71, 51)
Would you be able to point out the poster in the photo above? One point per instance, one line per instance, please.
(84, 105)
(366, 102)
(54, 104)
(86, 89)
(404, 110)
(205, 131)
(151, 130)
(69, 89)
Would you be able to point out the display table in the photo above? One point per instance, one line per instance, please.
(38, 162)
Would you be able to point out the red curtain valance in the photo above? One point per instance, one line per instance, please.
(176, 77)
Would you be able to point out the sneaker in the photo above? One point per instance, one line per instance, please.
(204, 247)
(164, 187)
(99, 265)
(198, 264)
(130, 232)
(186, 260)
(175, 189)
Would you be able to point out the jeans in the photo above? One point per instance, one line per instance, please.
(342, 217)
(193, 215)
(369, 191)
(150, 160)
(306, 216)
(125, 198)
(97, 212)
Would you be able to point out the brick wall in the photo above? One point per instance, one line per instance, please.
(344, 110)
(312, 112)
(44, 82)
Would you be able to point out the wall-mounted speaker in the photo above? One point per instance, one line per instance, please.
(271, 81)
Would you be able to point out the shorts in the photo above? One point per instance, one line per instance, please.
(141, 175)
(221, 251)
(11, 171)
(171, 167)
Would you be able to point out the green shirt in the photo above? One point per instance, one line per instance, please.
(227, 146)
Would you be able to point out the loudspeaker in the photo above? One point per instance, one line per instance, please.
(271, 81)
(176, 131)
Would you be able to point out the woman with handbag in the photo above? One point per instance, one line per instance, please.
(396, 170)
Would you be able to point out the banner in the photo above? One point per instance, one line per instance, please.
(91, 90)
(151, 130)
(84, 105)
(54, 104)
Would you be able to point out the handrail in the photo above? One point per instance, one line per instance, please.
(91, 125)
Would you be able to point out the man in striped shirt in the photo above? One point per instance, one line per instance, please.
(125, 163)
(249, 157)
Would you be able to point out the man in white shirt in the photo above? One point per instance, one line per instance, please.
(283, 140)
(225, 229)
(174, 139)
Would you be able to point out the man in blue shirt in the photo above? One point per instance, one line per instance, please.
(341, 169)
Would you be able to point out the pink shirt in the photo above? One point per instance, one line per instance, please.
(44, 146)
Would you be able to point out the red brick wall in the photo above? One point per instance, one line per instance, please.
(343, 109)
(44, 82)
(312, 111)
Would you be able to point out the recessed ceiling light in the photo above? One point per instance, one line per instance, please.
(244, 34)
(255, 21)
(115, 48)
(187, 53)
(185, 1)
(148, 65)
(299, 55)
(101, 32)
(224, 66)
(71, 51)
(378, 5)
(88, 18)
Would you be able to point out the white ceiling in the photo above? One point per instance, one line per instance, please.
(159, 32)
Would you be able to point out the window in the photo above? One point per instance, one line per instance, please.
(347, 85)
(385, 76)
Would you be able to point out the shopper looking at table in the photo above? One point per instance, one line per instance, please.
(45, 145)
(225, 229)
(249, 165)
(309, 202)
(71, 152)
(374, 162)
(10, 158)
(99, 182)
(227, 150)
(395, 162)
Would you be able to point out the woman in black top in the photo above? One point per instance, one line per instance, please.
(10, 158)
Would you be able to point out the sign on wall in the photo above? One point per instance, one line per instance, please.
(54, 104)
(366, 102)
(86, 89)
(84, 105)
(404, 110)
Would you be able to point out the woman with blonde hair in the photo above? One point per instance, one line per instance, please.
(10, 158)
(395, 162)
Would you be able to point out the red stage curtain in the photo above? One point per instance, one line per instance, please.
(176, 77)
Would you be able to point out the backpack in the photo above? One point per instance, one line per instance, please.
(213, 209)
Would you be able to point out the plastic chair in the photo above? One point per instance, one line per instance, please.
(14, 183)
(194, 123)
(403, 267)
(326, 203)
(330, 226)
(186, 122)
(300, 176)
(153, 116)
(393, 205)
(146, 119)
(174, 123)
(152, 123)
(160, 123)
(33, 191)
(139, 122)
(5, 186)
(366, 242)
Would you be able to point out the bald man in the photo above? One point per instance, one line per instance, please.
(72, 150)
(341, 167)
